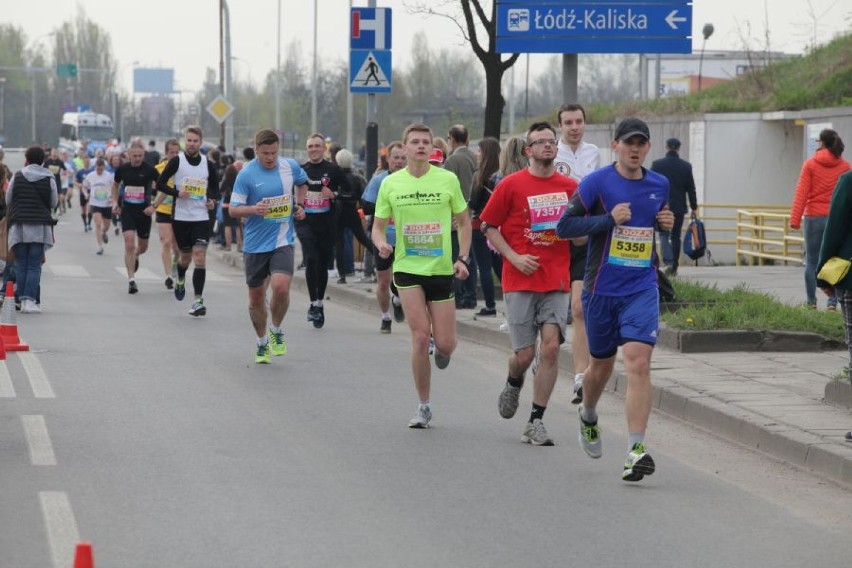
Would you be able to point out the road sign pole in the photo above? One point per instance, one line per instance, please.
(372, 137)
(569, 78)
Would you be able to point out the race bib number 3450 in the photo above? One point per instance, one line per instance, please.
(423, 239)
(631, 246)
(279, 208)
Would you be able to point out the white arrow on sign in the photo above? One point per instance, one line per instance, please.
(671, 19)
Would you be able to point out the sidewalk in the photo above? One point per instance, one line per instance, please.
(772, 402)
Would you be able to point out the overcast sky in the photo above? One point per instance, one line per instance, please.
(183, 34)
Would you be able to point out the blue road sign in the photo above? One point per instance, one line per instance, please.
(594, 26)
(369, 71)
(370, 28)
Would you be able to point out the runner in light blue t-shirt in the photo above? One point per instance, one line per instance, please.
(269, 193)
(256, 183)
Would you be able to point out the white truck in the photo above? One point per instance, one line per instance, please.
(90, 128)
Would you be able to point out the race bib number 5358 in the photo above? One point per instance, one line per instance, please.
(631, 246)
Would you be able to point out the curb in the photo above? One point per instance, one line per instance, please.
(717, 416)
(717, 341)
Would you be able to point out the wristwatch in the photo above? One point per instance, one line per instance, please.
(465, 259)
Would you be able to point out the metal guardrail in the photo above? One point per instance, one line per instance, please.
(760, 234)
(766, 235)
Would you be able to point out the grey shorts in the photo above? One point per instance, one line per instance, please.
(527, 311)
(259, 265)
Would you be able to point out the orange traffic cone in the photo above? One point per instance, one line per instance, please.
(8, 325)
(84, 557)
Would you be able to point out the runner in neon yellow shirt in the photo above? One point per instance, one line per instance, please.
(423, 201)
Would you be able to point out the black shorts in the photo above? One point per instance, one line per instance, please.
(227, 220)
(163, 218)
(62, 191)
(133, 218)
(83, 199)
(578, 262)
(259, 265)
(435, 288)
(382, 263)
(106, 212)
(190, 234)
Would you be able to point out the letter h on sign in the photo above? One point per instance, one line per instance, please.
(371, 28)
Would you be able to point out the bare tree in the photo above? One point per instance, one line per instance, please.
(480, 31)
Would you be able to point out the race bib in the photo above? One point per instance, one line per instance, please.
(279, 208)
(631, 246)
(315, 202)
(134, 194)
(423, 239)
(53, 169)
(100, 192)
(545, 210)
(196, 187)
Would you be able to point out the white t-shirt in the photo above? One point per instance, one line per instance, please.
(579, 165)
(99, 187)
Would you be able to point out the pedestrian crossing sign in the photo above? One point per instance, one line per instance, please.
(369, 71)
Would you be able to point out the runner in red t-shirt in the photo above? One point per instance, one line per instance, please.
(520, 221)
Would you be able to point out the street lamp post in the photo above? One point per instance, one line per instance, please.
(707, 31)
(3, 105)
(33, 87)
(248, 94)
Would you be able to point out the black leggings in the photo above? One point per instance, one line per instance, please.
(349, 219)
(317, 240)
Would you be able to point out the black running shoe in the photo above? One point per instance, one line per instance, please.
(170, 283)
(319, 318)
(132, 288)
(398, 314)
(386, 326)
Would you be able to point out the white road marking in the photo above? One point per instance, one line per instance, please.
(68, 270)
(38, 380)
(62, 533)
(7, 390)
(38, 440)
(145, 274)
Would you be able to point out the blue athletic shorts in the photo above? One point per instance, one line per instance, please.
(612, 321)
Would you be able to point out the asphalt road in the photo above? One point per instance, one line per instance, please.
(154, 436)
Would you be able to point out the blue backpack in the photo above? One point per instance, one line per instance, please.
(695, 240)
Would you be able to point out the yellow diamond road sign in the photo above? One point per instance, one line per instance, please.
(220, 109)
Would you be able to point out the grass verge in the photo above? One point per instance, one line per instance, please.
(705, 308)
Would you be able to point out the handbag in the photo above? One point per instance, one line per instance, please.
(834, 270)
(5, 253)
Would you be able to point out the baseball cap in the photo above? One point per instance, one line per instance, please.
(672, 143)
(436, 157)
(632, 127)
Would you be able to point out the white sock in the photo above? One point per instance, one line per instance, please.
(262, 341)
(386, 316)
(578, 379)
(396, 301)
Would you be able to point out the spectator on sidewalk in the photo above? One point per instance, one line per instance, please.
(837, 241)
(682, 187)
(813, 196)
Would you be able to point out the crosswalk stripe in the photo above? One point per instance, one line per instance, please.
(38, 379)
(62, 533)
(68, 270)
(7, 390)
(38, 440)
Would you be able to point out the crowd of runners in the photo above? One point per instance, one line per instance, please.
(575, 241)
